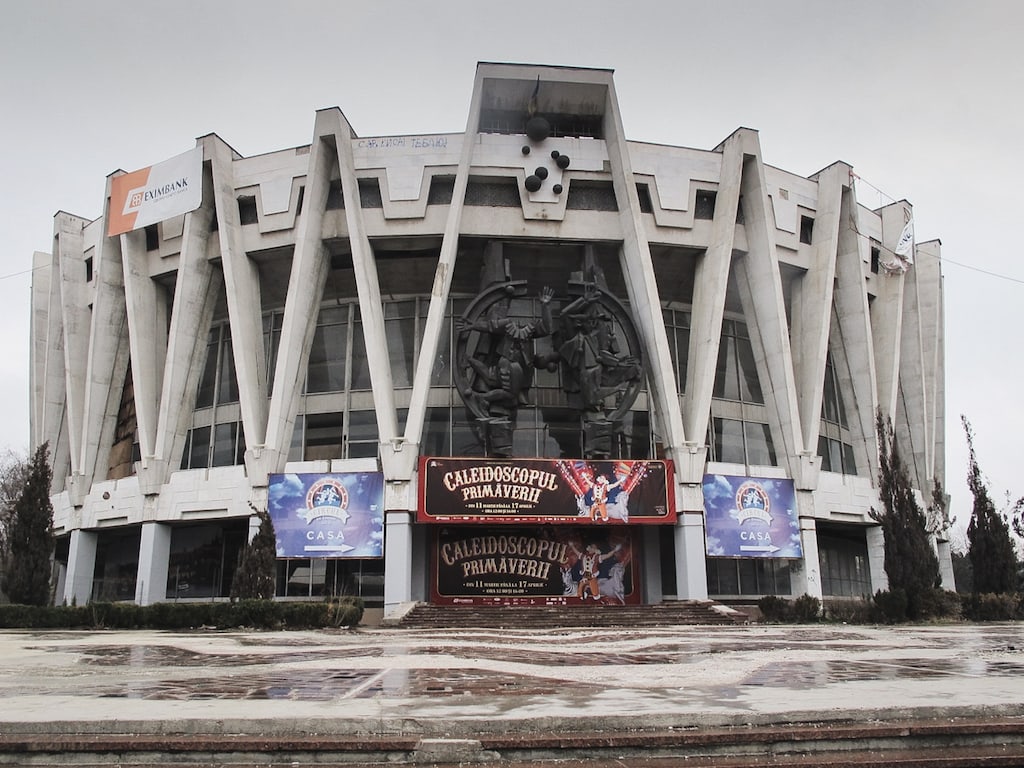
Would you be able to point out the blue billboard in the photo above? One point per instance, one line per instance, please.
(750, 517)
(335, 515)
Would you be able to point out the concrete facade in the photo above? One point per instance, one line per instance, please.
(121, 327)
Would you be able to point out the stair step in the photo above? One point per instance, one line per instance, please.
(427, 616)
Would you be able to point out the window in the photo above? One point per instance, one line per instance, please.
(843, 558)
(203, 558)
(644, 193)
(591, 196)
(218, 382)
(152, 238)
(117, 564)
(326, 368)
(226, 449)
(736, 373)
(742, 442)
(247, 212)
(806, 229)
(329, 577)
(369, 193)
(876, 255)
(748, 576)
(705, 204)
(677, 327)
(836, 456)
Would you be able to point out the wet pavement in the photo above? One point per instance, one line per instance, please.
(486, 681)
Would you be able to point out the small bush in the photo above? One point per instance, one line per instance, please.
(936, 604)
(849, 611)
(992, 607)
(890, 607)
(259, 614)
(774, 609)
(806, 609)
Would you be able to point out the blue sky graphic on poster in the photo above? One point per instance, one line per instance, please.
(335, 515)
(750, 517)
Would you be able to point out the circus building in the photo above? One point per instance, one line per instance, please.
(533, 362)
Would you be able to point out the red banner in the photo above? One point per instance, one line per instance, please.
(469, 490)
(534, 565)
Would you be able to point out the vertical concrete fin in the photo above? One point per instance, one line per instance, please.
(242, 289)
(442, 284)
(760, 288)
(367, 285)
(812, 310)
(53, 425)
(147, 339)
(710, 287)
(107, 354)
(852, 344)
(68, 245)
(43, 343)
(929, 263)
(195, 292)
(887, 312)
(306, 282)
(918, 364)
(638, 270)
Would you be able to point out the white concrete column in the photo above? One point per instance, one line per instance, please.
(154, 556)
(808, 581)
(876, 558)
(81, 565)
(652, 588)
(942, 551)
(397, 560)
(691, 574)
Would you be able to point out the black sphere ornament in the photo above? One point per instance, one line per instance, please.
(532, 183)
(526, 149)
(538, 128)
(562, 161)
(554, 154)
(557, 189)
(541, 172)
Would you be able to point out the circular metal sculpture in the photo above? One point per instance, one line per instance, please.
(593, 345)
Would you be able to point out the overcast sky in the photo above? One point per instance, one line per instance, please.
(923, 99)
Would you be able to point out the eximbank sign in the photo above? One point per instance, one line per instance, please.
(156, 193)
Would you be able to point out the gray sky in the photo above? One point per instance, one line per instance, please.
(923, 99)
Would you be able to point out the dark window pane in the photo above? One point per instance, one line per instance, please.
(360, 366)
(362, 434)
(729, 440)
(823, 453)
(760, 449)
(208, 381)
(750, 386)
(727, 384)
(326, 368)
(400, 329)
(199, 451)
(849, 463)
(227, 386)
(705, 204)
(323, 436)
(224, 444)
(436, 433)
(806, 229)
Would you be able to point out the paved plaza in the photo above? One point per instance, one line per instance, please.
(467, 682)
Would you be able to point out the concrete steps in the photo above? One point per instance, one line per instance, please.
(425, 616)
(944, 743)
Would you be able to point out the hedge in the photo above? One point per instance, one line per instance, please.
(256, 614)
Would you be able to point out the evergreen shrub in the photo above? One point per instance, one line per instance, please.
(890, 606)
(255, 614)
